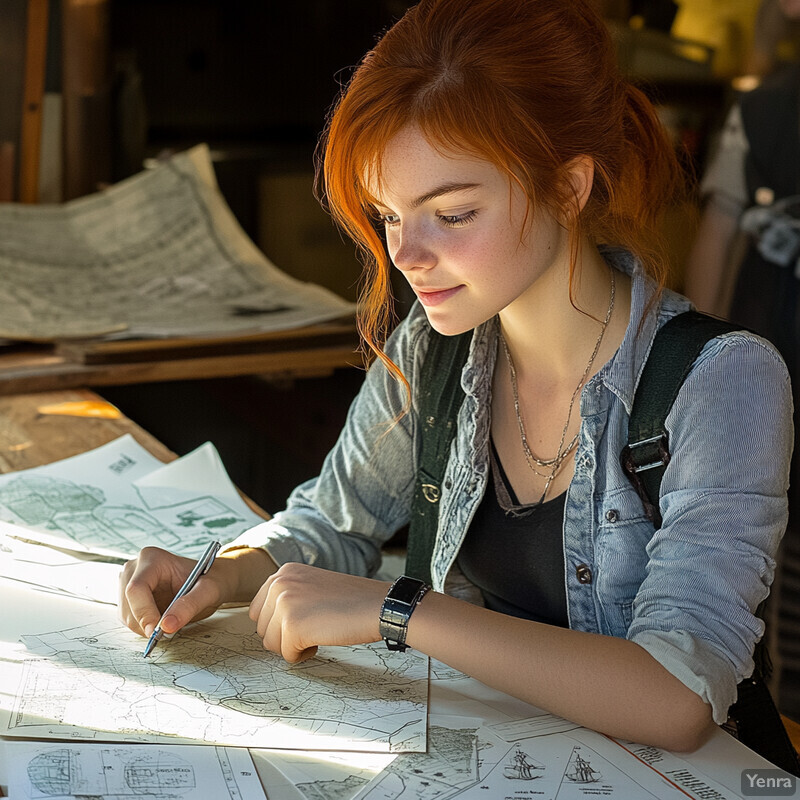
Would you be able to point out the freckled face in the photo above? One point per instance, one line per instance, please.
(454, 228)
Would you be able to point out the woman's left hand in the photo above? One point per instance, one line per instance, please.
(300, 607)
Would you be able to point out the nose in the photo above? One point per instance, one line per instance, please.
(410, 249)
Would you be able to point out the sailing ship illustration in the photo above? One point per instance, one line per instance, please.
(520, 767)
(579, 770)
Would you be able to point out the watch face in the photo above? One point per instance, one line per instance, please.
(405, 590)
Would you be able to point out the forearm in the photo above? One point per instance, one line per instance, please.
(708, 266)
(608, 684)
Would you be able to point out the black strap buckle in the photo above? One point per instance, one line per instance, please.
(646, 454)
(638, 459)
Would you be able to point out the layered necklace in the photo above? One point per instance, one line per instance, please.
(551, 466)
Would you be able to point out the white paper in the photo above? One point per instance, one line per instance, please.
(118, 498)
(159, 254)
(331, 775)
(213, 682)
(53, 570)
(469, 764)
(70, 770)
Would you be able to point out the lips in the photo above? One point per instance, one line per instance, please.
(433, 297)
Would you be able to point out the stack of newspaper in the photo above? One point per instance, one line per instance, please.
(157, 255)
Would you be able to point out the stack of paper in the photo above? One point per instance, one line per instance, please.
(158, 254)
(68, 526)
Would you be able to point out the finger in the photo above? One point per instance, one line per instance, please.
(257, 603)
(200, 602)
(288, 643)
(123, 608)
(292, 650)
(138, 606)
(261, 611)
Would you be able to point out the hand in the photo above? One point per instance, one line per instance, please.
(300, 607)
(149, 582)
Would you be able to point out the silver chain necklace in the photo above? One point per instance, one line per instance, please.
(554, 464)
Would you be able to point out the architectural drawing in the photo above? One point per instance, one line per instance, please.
(215, 683)
(131, 772)
(117, 507)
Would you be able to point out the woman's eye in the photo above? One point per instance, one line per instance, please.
(389, 219)
(457, 220)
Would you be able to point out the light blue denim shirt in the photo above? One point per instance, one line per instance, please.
(687, 592)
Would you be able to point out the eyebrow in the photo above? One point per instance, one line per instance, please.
(445, 188)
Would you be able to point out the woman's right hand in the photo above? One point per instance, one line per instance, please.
(149, 583)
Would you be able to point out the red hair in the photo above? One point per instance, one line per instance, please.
(525, 84)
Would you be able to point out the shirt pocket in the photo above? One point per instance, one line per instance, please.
(623, 533)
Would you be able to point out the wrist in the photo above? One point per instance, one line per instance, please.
(401, 601)
(246, 569)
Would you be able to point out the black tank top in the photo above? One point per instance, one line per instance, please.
(515, 555)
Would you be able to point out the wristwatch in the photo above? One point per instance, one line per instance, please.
(400, 602)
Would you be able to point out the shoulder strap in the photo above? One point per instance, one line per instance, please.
(675, 348)
(439, 398)
(677, 345)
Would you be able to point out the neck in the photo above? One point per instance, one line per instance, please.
(553, 328)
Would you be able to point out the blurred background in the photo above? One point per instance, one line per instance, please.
(125, 81)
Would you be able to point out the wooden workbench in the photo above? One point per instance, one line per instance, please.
(313, 350)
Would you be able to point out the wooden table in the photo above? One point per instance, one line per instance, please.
(314, 350)
(39, 428)
(42, 427)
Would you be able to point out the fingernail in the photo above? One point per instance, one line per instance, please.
(169, 624)
(148, 630)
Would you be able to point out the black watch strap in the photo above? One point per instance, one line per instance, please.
(401, 600)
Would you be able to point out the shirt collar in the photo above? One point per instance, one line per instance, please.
(650, 308)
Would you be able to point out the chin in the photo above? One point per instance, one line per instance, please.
(451, 327)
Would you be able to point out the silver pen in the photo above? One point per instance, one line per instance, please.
(202, 566)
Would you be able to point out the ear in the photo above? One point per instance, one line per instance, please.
(580, 174)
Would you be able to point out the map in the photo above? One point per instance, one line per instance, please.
(215, 683)
(131, 772)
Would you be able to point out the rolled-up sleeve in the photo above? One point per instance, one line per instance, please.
(724, 507)
(340, 519)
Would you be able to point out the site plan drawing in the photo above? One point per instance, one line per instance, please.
(158, 254)
(215, 683)
(131, 772)
(118, 498)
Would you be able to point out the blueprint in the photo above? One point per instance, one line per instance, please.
(118, 498)
(215, 683)
(131, 772)
(468, 763)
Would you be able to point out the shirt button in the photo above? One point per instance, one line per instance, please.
(448, 484)
(583, 573)
(612, 515)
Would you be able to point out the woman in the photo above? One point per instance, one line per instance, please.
(491, 147)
